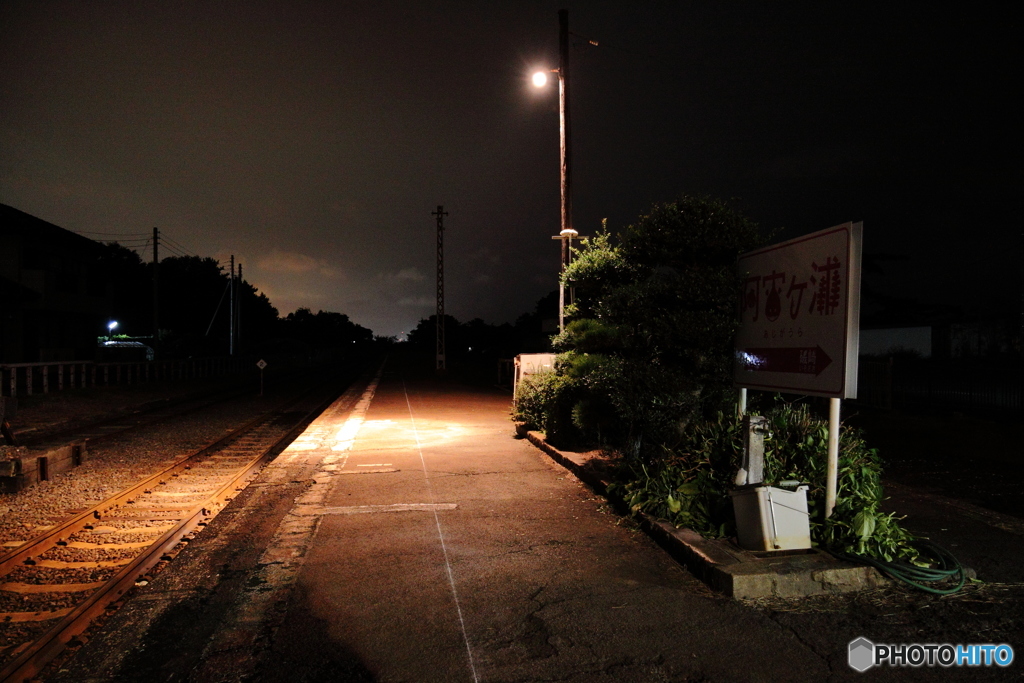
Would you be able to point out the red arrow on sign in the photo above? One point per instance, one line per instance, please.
(804, 361)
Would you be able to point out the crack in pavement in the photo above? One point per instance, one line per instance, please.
(827, 661)
(443, 473)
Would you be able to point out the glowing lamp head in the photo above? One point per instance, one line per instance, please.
(111, 325)
(540, 79)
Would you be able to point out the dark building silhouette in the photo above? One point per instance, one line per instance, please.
(54, 297)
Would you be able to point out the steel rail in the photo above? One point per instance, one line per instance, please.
(45, 541)
(43, 650)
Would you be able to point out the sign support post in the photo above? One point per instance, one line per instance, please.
(261, 365)
(832, 468)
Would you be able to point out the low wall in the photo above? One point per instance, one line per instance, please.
(21, 472)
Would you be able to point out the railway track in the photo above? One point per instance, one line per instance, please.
(55, 585)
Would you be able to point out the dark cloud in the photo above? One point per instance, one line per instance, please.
(314, 138)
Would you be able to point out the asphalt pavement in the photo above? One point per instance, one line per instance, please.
(421, 541)
(454, 552)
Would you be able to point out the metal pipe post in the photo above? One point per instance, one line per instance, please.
(832, 470)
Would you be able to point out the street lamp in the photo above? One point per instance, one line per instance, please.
(566, 234)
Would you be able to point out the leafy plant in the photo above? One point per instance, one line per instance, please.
(545, 401)
(690, 485)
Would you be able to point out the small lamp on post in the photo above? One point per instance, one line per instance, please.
(567, 236)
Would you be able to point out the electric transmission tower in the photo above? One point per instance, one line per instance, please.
(440, 213)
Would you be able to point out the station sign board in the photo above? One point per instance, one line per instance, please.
(800, 315)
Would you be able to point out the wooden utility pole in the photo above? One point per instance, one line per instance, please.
(440, 214)
(231, 309)
(567, 232)
(156, 289)
(238, 310)
(564, 120)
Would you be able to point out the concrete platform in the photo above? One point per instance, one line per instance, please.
(721, 563)
(407, 535)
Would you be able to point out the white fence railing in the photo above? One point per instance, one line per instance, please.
(30, 378)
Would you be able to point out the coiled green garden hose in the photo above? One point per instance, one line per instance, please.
(948, 567)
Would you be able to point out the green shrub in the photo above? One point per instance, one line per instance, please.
(545, 401)
(690, 485)
(595, 418)
(533, 394)
(658, 304)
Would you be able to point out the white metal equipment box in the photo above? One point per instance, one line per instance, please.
(769, 518)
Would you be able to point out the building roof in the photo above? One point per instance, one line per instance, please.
(15, 222)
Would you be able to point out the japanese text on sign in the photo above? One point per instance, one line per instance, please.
(825, 284)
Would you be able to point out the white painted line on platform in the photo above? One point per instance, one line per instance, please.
(396, 507)
(379, 464)
(440, 536)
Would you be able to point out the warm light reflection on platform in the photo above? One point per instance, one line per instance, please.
(346, 435)
(307, 441)
(398, 434)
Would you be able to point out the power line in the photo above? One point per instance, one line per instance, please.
(174, 250)
(179, 245)
(140, 240)
(113, 234)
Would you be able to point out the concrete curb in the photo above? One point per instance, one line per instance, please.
(738, 573)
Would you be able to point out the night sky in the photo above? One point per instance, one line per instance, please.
(313, 140)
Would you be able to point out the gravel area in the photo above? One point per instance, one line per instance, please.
(116, 463)
(42, 412)
(109, 467)
(14, 637)
(11, 452)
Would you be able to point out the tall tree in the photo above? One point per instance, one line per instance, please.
(651, 339)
